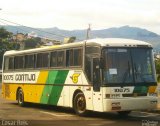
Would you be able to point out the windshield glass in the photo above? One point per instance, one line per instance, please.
(143, 65)
(128, 65)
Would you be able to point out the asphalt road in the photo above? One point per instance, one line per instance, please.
(44, 115)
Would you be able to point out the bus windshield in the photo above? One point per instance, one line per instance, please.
(128, 65)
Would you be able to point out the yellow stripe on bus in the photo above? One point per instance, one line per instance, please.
(9, 91)
(43, 75)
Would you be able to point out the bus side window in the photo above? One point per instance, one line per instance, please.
(18, 62)
(60, 58)
(6, 63)
(77, 57)
(42, 60)
(69, 57)
(53, 61)
(11, 63)
(29, 61)
(90, 52)
(74, 57)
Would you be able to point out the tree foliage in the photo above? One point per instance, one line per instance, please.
(72, 39)
(32, 42)
(4, 34)
(157, 63)
(5, 43)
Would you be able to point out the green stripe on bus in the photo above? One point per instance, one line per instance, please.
(48, 88)
(51, 77)
(54, 92)
(140, 89)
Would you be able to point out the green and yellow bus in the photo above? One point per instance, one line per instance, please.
(102, 75)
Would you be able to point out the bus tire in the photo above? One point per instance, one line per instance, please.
(124, 113)
(20, 98)
(79, 104)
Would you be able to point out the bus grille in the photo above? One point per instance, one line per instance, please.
(134, 95)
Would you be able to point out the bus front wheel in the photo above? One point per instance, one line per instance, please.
(79, 104)
(20, 98)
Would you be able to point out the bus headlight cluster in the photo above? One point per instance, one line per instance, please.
(152, 94)
(116, 106)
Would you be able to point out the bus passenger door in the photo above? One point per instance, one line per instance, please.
(96, 74)
(96, 81)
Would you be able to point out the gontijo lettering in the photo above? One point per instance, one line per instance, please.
(25, 77)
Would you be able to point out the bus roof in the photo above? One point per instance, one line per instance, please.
(120, 42)
(109, 42)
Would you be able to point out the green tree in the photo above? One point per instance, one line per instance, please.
(4, 34)
(157, 63)
(72, 39)
(6, 43)
(32, 42)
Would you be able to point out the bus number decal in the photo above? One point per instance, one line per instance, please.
(125, 90)
(7, 77)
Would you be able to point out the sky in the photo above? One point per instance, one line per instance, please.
(77, 14)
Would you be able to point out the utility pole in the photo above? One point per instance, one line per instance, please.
(88, 31)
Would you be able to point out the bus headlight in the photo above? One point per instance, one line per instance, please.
(152, 94)
(116, 106)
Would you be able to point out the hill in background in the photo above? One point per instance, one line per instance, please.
(115, 32)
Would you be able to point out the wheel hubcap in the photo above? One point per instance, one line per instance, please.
(81, 105)
(20, 97)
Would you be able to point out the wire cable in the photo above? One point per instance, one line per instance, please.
(41, 36)
(34, 28)
(31, 27)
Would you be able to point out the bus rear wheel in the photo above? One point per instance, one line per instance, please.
(20, 98)
(79, 104)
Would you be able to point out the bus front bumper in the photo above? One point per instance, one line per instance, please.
(129, 104)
